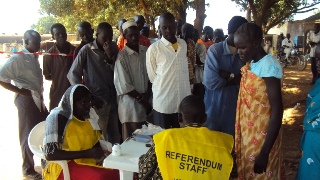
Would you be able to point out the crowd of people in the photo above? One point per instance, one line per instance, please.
(224, 92)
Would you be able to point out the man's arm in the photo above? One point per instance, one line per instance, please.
(10, 71)
(10, 87)
(75, 73)
(151, 64)
(211, 78)
(124, 85)
(47, 67)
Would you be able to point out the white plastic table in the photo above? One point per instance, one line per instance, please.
(129, 149)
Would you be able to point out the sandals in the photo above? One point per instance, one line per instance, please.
(34, 176)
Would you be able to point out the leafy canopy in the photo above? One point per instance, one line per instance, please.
(269, 13)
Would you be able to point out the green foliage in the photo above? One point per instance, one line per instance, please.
(43, 25)
(269, 13)
(71, 12)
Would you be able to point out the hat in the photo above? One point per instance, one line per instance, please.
(128, 24)
(235, 23)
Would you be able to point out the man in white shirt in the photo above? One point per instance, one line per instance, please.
(288, 45)
(167, 67)
(25, 72)
(313, 39)
(132, 82)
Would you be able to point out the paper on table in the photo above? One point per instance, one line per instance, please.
(135, 160)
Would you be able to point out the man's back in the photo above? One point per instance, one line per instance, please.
(194, 153)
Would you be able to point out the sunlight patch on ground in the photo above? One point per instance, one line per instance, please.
(293, 78)
(292, 90)
(289, 115)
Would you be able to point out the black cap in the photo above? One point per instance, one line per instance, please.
(235, 23)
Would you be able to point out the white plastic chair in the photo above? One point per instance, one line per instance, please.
(35, 141)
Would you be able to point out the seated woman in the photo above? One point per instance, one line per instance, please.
(73, 134)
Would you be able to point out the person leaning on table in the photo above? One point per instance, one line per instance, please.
(189, 152)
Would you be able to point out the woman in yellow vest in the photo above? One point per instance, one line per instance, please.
(73, 134)
(192, 152)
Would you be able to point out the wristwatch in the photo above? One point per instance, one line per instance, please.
(231, 77)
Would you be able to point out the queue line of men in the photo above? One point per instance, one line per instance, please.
(121, 83)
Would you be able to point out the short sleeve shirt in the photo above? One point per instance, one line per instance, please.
(268, 66)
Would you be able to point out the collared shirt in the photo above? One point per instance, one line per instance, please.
(57, 67)
(25, 72)
(314, 38)
(97, 73)
(168, 73)
(220, 97)
(144, 41)
(130, 73)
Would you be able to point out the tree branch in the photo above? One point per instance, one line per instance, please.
(145, 8)
(306, 10)
(306, 7)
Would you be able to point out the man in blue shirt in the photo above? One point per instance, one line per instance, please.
(221, 80)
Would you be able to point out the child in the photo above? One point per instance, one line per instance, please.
(71, 136)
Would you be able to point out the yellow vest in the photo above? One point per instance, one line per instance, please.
(194, 153)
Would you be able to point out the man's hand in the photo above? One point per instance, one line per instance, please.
(260, 164)
(25, 92)
(96, 103)
(224, 74)
(97, 153)
(108, 51)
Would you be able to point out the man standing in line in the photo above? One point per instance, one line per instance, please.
(132, 82)
(95, 62)
(187, 34)
(167, 67)
(85, 32)
(55, 68)
(139, 19)
(207, 37)
(24, 70)
(314, 39)
(221, 81)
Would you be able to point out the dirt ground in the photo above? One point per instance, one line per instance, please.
(296, 85)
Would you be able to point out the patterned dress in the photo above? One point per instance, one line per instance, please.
(252, 121)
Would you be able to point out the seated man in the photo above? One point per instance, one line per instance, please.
(73, 134)
(192, 152)
(287, 44)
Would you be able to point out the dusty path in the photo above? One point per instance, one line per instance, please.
(295, 89)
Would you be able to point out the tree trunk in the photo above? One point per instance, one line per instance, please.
(182, 13)
(248, 14)
(200, 16)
